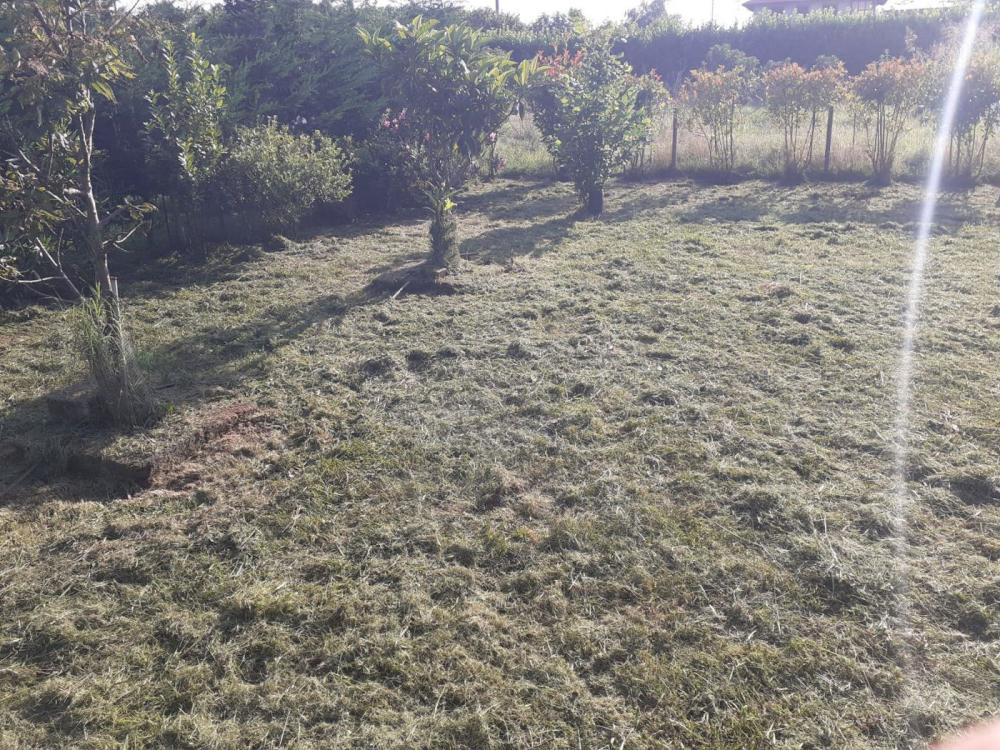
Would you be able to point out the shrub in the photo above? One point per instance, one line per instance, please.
(595, 115)
(184, 137)
(978, 110)
(885, 95)
(713, 101)
(272, 177)
(448, 93)
(792, 97)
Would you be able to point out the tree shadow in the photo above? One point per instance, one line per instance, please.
(746, 209)
(953, 211)
(44, 449)
(46, 453)
(503, 244)
(514, 200)
(155, 278)
(694, 205)
(541, 221)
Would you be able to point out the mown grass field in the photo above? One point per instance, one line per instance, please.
(628, 486)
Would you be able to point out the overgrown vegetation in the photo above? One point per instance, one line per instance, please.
(104, 342)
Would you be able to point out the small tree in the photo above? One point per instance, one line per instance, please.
(61, 60)
(978, 112)
(448, 92)
(184, 131)
(713, 101)
(792, 97)
(885, 96)
(595, 115)
(713, 98)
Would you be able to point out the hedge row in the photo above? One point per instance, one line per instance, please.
(673, 48)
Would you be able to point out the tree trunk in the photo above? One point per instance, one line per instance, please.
(812, 138)
(828, 153)
(674, 128)
(595, 201)
(93, 230)
(444, 241)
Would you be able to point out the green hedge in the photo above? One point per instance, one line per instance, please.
(673, 48)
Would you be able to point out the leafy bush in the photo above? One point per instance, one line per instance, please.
(184, 128)
(272, 177)
(885, 96)
(792, 97)
(713, 100)
(978, 109)
(184, 138)
(448, 93)
(595, 115)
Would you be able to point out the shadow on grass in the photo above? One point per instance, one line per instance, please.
(154, 278)
(515, 200)
(954, 210)
(503, 244)
(542, 221)
(42, 454)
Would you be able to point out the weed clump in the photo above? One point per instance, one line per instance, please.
(122, 392)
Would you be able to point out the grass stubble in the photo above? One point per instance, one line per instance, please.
(629, 486)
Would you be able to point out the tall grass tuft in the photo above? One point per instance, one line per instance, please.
(122, 392)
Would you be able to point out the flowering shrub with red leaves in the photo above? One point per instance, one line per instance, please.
(885, 95)
(713, 101)
(595, 115)
(792, 97)
(978, 108)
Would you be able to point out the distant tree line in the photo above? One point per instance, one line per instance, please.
(659, 41)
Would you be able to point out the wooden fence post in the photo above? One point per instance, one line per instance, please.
(673, 143)
(812, 137)
(829, 140)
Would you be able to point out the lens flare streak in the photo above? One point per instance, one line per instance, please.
(904, 377)
(904, 372)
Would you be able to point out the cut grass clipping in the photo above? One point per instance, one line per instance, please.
(628, 486)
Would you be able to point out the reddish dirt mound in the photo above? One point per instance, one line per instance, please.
(232, 432)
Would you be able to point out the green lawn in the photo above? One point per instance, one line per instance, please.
(627, 486)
